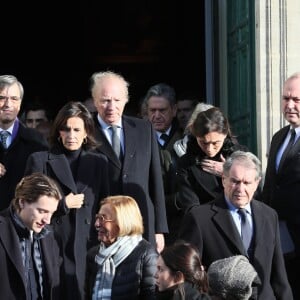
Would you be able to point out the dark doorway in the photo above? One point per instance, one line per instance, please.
(55, 50)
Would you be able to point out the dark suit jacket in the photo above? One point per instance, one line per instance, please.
(12, 283)
(139, 176)
(281, 190)
(168, 160)
(14, 159)
(211, 228)
(75, 227)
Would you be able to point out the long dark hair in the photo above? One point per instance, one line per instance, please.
(211, 120)
(73, 109)
(184, 257)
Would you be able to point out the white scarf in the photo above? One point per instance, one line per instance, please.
(108, 259)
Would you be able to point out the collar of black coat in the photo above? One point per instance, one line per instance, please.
(22, 230)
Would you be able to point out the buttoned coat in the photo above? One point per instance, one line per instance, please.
(211, 228)
(139, 174)
(13, 282)
(14, 159)
(75, 227)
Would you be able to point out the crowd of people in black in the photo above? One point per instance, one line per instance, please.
(97, 204)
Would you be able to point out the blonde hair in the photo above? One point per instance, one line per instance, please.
(128, 215)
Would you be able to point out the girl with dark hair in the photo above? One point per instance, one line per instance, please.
(83, 179)
(180, 274)
(199, 173)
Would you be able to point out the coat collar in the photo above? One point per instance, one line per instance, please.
(130, 141)
(223, 220)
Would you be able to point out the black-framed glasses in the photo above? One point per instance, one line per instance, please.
(103, 219)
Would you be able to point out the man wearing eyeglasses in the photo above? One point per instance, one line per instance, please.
(16, 141)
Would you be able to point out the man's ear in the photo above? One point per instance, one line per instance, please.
(21, 203)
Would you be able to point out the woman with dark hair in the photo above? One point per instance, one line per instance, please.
(199, 173)
(83, 179)
(180, 274)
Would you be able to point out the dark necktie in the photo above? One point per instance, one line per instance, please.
(116, 144)
(288, 148)
(246, 232)
(4, 135)
(164, 137)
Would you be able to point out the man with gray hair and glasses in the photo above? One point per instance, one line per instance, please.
(16, 141)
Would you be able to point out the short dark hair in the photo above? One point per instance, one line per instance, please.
(36, 105)
(161, 90)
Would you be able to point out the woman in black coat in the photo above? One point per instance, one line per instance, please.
(199, 173)
(180, 274)
(83, 178)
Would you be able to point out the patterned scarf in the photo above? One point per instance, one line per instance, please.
(108, 259)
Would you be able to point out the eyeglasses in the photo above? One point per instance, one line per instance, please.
(102, 219)
(13, 98)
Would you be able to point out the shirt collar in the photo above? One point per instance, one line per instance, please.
(159, 133)
(105, 126)
(10, 129)
(232, 208)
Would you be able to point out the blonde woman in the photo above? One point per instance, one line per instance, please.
(123, 265)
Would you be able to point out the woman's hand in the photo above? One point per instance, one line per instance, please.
(160, 242)
(212, 166)
(74, 201)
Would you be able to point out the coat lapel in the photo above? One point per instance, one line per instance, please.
(84, 173)
(12, 245)
(62, 171)
(258, 224)
(130, 141)
(276, 143)
(224, 221)
(105, 147)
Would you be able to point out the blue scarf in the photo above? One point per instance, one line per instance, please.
(108, 259)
